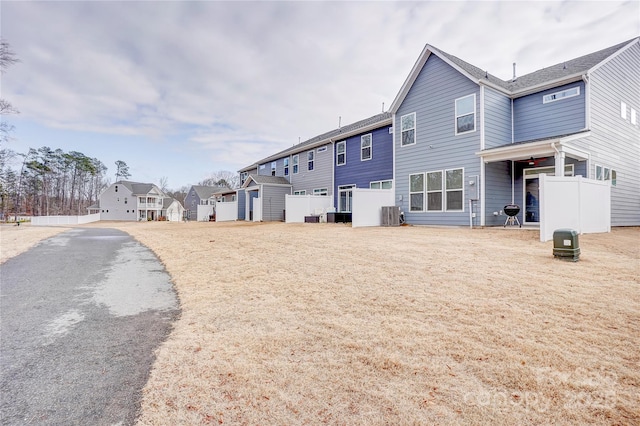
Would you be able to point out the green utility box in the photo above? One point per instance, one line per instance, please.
(565, 244)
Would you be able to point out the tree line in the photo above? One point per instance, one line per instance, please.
(49, 182)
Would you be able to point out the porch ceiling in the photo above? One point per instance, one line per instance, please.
(538, 148)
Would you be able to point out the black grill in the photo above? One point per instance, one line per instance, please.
(512, 210)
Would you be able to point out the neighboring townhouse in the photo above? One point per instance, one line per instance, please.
(363, 159)
(467, 143)
(200, 195)
(134, 201)
(310, 168)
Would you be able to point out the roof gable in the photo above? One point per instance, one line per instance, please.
(558, 74)
(265, 180)
(138, 188)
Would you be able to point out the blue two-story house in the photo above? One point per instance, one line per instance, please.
(467, 143)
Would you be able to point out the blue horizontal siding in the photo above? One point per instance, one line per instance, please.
(361, 173)
(534, 119)
(432, 97)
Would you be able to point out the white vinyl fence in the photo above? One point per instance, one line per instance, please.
(64, 220)
(367, 206)
(226, 211)
(577, 203)
(257, 209)
(203, 212)
(299, 206)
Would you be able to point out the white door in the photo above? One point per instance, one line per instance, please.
(257, 209)
(345, 197)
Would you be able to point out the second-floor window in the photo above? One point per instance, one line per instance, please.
(466, 114)
(310, 158)
(243, 177)
(273, 168)
(286, 167)
(341, 153)
(295, 163)
(408, 129)
(365, 147)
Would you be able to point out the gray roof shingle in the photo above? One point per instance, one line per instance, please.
(273, 180)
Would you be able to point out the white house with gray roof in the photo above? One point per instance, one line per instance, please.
(135, 201)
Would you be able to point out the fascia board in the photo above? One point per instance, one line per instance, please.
(547, 85)
(411, 78)
(610, 58)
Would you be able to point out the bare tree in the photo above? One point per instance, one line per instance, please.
(222, 178)
(163, 184)
(7, 58)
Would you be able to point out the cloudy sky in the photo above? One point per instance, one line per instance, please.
(183, 89)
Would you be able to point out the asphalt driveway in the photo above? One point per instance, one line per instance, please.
(81, 315)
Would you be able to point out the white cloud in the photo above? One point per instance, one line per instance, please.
(242, 80)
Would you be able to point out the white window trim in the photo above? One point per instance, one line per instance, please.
(312, 160)
(441, 190)
(552, 97)
(274, 167)
(613, 174)
(634, 120)
(455, 120)
(321, 149)
(623, 110)
(370, 147)
(321, 191)
(303, 192)
(423, 192)
(344, 144)
(415, 130)
(444, 185)
(295, 164)
(285, 164)
(380, 182)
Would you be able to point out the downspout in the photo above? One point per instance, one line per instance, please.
(481, 180)
(333, 171)
(513, 181)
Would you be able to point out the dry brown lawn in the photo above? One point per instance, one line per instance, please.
(323, 323)
(17, 239)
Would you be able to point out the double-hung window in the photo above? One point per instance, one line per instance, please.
(273, 168)
(408, 129)
(434, 191)
(466, 114)
(383, 184)
(416, 192)
(286, 166)
(341, 153)
(365, 147)
(320, 191)
(310, 158)
(454, 190)
(295, 163)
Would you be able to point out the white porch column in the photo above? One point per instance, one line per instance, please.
(559, 163)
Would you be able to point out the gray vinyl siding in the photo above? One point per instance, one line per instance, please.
(497, 180)
(320, 177)
(615, 142)
(273, 202)
(265, 168)
(432, 98)
(534, 119)
(242, 208)
(497, 120)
